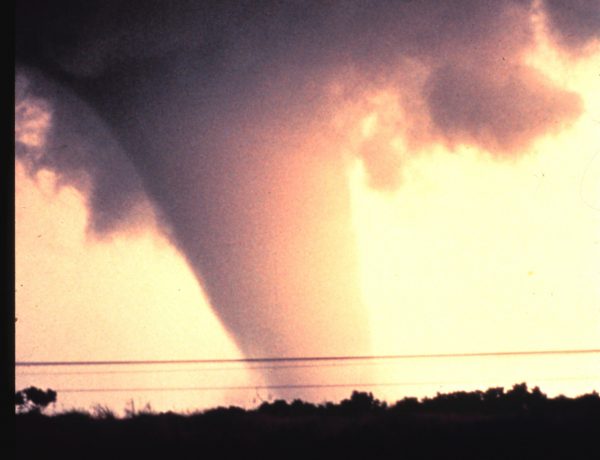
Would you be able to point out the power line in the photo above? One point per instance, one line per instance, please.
(204, 369)
(292, 386)
(306, 358)
(216, 369)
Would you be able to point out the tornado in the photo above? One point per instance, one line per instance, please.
(225, 116)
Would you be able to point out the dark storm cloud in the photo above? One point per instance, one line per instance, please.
(282, 52)
(502, 112)
(574, 22)
(81, 148)
(222, 110)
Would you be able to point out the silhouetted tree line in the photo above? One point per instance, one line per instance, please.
(494, 401)
(517, 423)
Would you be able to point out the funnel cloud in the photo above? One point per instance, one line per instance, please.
(222, 115)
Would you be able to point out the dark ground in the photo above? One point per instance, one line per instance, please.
(517, 424)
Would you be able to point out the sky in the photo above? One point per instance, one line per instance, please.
(362, 178)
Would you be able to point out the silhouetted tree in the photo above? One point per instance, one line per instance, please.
(299, 407)
(33, 399)
(406, 405)
(360, 403)
(278, 407)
